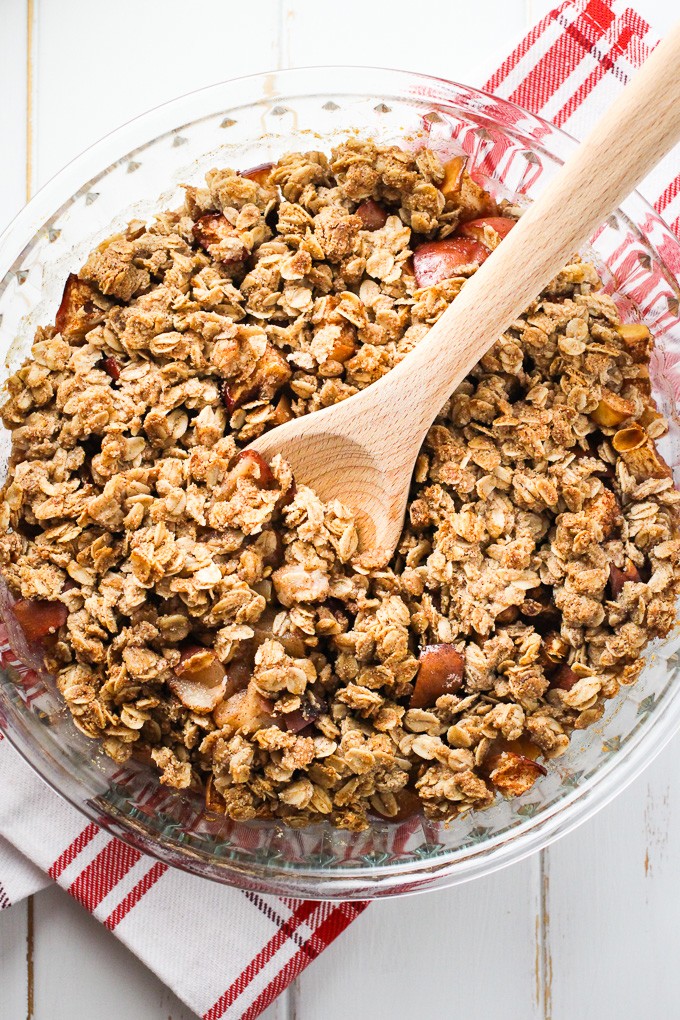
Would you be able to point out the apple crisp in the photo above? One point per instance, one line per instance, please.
(207, 613)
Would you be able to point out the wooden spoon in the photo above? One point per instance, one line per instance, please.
(362, 451)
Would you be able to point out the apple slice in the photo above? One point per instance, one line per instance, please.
(440, 260)
(475, 229)
(344, 347)
(523, 746)
(237, 673)
(313, 705)
(214, 801)
(197, 660)
(632, 437)
(283, 411)
(236, 394)
(271, 373)
(246, 711)
(618, 577)
(200, 679)
(637, 340)
(372, 215)
(301, 718)
(441, 672)
(612, 409)
(78, 313)
(554, 650)
(196, 695)
(408, 805)
(264, 631)
(39, 618)
(512, 774)
(563, 678)
(453, 177)
(462, 191)
(259, 174)
(250, 464)
(297, 721)
(111, 367)
(646, 462)
(211, 230)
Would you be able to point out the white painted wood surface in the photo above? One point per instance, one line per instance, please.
(587, 929)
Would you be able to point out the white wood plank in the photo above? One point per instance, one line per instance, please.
(81, 970)
(99, 65)
(13, 71)
(13, 962)
(467, 951)
(613, 903)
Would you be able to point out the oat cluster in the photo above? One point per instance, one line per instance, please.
(207, 613)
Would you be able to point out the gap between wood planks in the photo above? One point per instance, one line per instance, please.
(30, 25)
(30, 20)
(30, 973)
(544, 968)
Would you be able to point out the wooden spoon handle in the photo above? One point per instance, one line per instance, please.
(640, 127)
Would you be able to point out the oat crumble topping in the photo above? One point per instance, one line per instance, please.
(207, 613)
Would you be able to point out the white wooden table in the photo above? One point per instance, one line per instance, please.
(586, 929)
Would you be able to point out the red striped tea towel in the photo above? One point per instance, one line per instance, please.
(228, 953)
(224, 952)
(571, 66)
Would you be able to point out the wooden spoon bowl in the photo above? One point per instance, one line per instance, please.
(362, 450)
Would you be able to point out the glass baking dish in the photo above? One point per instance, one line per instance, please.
(136, 171)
